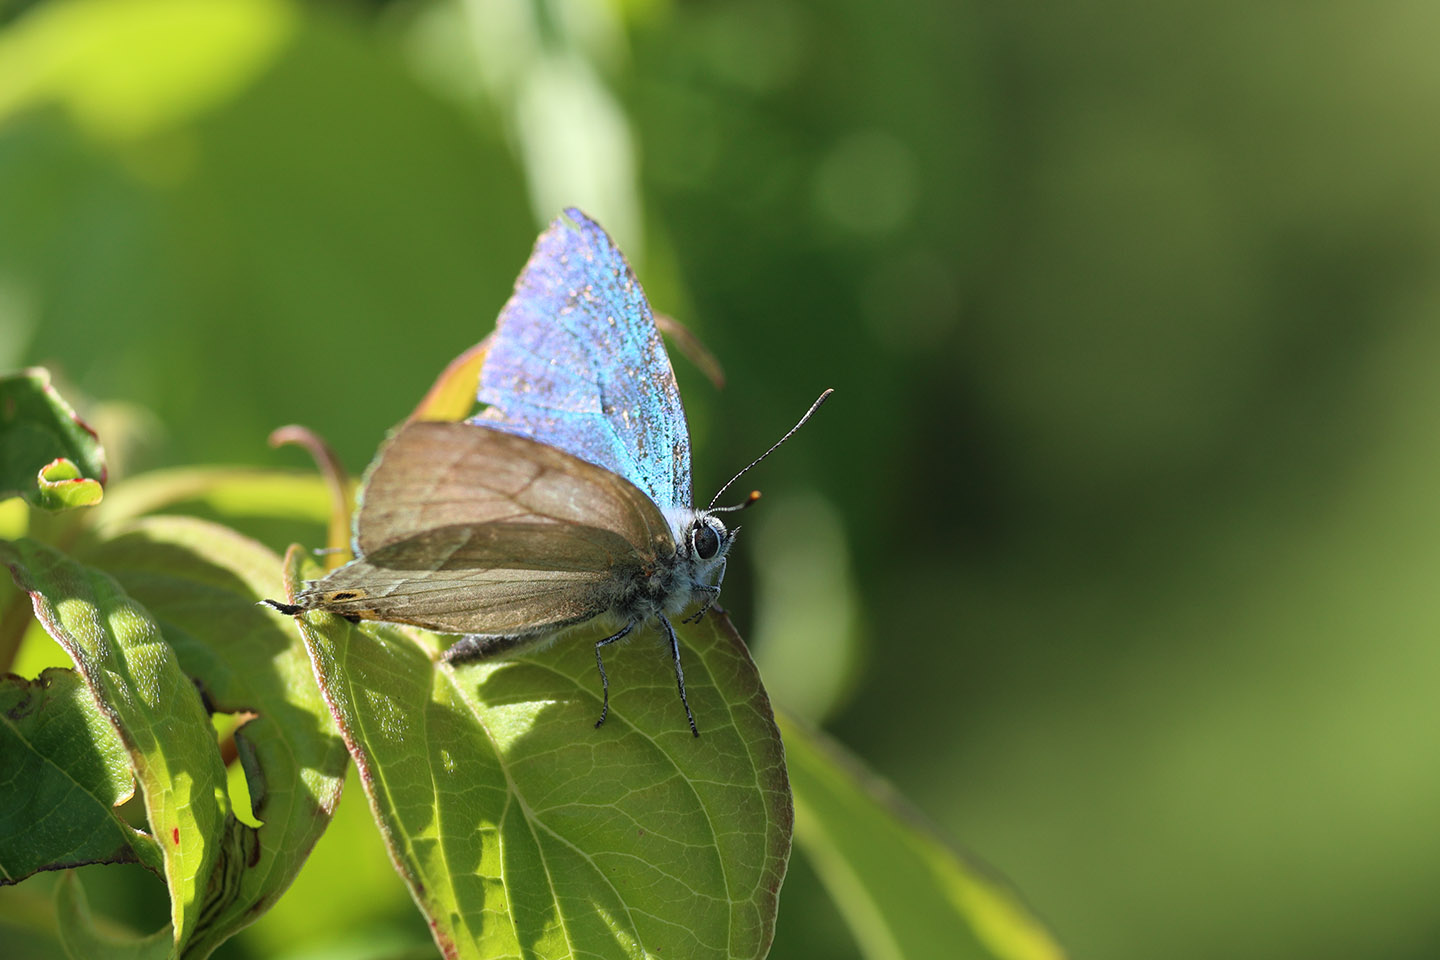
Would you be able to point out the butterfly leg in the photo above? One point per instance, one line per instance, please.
(714, 594)
(604, 680)
(679, 673)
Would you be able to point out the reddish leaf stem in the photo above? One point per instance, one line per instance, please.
(338, 539)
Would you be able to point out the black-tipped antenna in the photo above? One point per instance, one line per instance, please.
(808, 414)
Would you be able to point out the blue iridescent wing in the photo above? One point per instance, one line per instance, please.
(576, 363)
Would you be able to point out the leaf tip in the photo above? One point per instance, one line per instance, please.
(61, 486)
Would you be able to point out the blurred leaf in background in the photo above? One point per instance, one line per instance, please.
(204, 200)
(1116, 547)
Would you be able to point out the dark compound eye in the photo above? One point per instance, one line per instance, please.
(706, 541)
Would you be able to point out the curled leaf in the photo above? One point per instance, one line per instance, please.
(61, 487)
(48, 455)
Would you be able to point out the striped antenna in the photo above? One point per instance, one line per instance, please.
(755, 495)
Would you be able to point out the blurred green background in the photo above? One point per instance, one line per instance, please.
(1116, 549)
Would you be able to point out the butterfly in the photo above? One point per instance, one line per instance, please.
(566, 499)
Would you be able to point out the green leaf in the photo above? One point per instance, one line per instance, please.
(84, 940)
(275, 506)
(63, 770)
(61, 487)
(202, 582)
(136, 679)
(903, 891)
(47, 454)
(523, 829)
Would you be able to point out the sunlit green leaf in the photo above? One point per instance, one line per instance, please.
(83, 939)
(233, 491)
(905, 893)
(275, 506)
(202, 582)
(523, 829)
(134, 674)
(47, 454)
(63, 770)
(125, 69)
